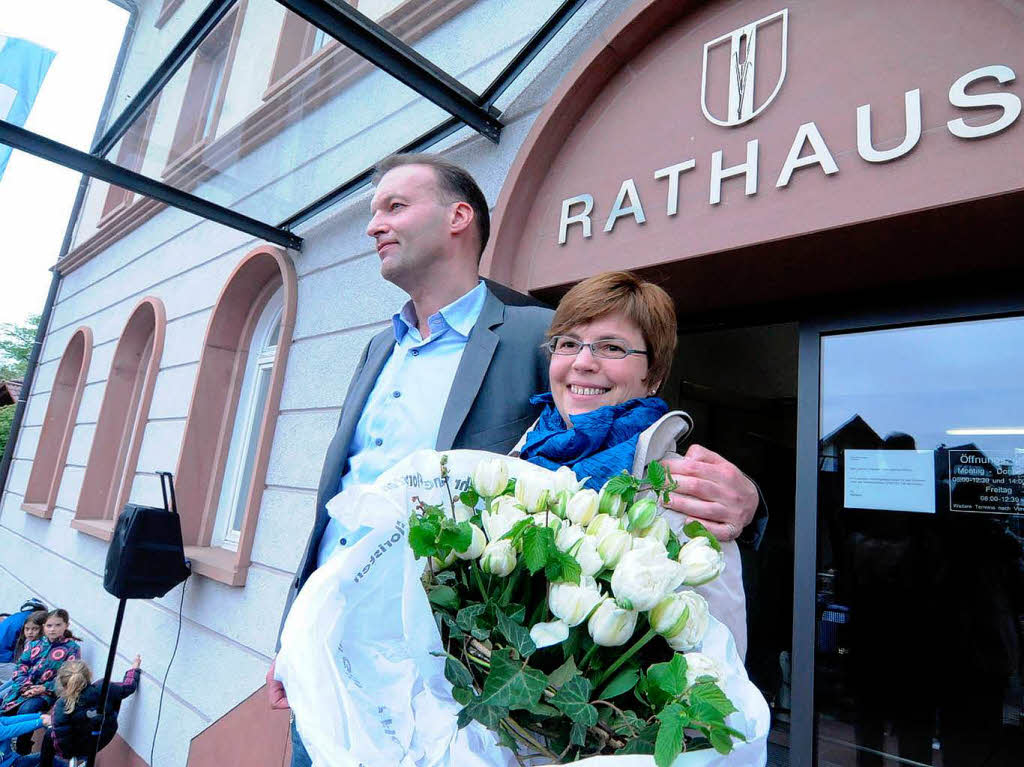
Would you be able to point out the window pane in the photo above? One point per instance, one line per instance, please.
(920, 586)
(256, 418)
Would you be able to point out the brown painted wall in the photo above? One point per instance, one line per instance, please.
(250, 734)
(648, 116)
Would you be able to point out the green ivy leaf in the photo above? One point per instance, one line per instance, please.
(517, 636)
(470, 498)
(516, 612)
(463, 695)
(543, 710)
(573, 700)
(669, 677)
(454, 631)
(563, 673)
(444, 596)
(644, 741)
(578, 734)
(669, 743)
(457, 673)
(445, 577)
(467, 618)
(695, 529)
(622, 682)
(538, 543)
(487, 714)
(709, 703)
(510, 684)
(627, 723)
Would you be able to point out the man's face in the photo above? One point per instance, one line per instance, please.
(410, 225)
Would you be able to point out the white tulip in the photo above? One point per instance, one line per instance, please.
(586, 554)
(490, 477)
(547, 634)
(500, 519)
(643, 578)
(547, 519)
(698, 665)
(565, 479)
(567, 536)
(658, 531)
(613, 546)
(700, 562)
(532, 492)
(652, 546)
(682, 618)
(463, 513)
(603, 524)
(573, 602)
(582, 507)
(610, 625)
(499, 558)
(642, 514)
(441, 564)
(613, 505)
(560, 502)
(476, 546)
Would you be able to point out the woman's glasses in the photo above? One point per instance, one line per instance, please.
(609, 349)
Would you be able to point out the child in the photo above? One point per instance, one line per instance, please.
(33, 684)
(76, 715)
(31, 631)
(16, 727)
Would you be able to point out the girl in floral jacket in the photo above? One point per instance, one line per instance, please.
(33, 690)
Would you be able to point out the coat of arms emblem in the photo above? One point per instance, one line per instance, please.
(743, 56)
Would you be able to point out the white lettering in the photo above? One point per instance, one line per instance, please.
(672, 174)
(912, 108)
(748, 169)
(582, 217)
(959, 97)
(628, 189)
(807, 133)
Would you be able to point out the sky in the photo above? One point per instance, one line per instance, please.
(36, 196)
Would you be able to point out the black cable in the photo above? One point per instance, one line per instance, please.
(163, 685)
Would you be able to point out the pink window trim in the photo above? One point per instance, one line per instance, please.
(58, 426)
(211, 418)
(116, 443)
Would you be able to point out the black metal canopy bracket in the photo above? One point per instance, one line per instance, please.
(368, 39)
(96, 167)
(179, 54)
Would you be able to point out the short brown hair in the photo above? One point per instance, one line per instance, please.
(454, 183)
(646, 304)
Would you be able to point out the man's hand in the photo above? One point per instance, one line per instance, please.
(275, 691)
(712, 491)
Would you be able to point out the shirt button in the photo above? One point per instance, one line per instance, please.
(415, 352)
(342, 542)
(378, 442)
(396, 394)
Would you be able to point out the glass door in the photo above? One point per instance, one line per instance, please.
(911, 634)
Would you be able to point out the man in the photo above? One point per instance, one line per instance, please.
(458, 366)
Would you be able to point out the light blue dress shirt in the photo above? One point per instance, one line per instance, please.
(403, 411)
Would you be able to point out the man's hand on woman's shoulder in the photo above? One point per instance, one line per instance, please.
(712, 491)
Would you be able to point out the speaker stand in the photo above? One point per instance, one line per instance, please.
(105, 690)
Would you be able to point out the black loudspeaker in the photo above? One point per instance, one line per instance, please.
(146, 558)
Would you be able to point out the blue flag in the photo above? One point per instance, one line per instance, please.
(23, 66)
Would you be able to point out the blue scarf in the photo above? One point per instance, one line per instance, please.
(600, 443)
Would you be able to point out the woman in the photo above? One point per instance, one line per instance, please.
(612, 341)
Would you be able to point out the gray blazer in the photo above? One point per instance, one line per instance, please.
(488, 407)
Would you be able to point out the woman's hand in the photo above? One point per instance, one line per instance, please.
(712, 491)
(35, 691)
(47, 719)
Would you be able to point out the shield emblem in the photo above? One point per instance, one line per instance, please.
(742, 56)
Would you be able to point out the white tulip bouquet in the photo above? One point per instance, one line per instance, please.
(564, 614)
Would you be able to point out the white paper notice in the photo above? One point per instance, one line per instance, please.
(892, 480)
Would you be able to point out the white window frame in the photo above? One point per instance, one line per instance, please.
(245, 432)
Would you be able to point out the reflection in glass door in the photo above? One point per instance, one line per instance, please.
(920, 563)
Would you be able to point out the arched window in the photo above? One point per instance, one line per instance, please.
(122, 420)
(231, 420)
(58, 425)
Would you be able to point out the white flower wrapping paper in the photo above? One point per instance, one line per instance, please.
(358, 649)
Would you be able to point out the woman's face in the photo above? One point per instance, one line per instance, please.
(583, 382)
(32, 631)
(54, 628)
